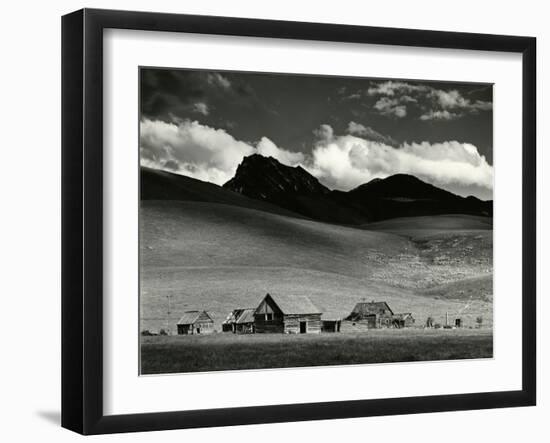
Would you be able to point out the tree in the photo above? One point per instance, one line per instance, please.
(430, 322)
(479, 321)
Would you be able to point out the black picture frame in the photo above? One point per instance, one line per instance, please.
(82, 218)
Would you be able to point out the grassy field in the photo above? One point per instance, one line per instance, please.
(169, 354)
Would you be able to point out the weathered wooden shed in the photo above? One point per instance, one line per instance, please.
(195, 322)
(239, 321)
(287, 314)
(405, 320)
(330, 322)
(376, 314)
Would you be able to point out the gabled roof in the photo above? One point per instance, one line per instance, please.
(239, 316)
(373, 306)
(331, 316)
(247, 316)
(294, 304)
(190, 317)
(403, 316)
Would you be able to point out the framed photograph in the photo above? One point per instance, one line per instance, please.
(269, 221)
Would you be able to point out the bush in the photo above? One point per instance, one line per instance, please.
(163, 332)
(147, 333)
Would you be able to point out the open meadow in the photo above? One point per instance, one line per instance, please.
(168, 354)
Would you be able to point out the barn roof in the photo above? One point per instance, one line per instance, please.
(331, 316)
(232, 316)
(371, 306)
(403, 315)
(247, 316)
(240, 316)
(294, 304)
(190, 317)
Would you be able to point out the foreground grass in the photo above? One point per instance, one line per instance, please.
(171, 354)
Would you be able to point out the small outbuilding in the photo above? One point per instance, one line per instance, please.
(195, 322)
(330, 322)
(239, 321)
(405, 320)
(375, 314)
(378, 314)
(287, 314)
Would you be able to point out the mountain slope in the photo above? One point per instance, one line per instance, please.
(162, 185)
(265, 179)
(403, 195)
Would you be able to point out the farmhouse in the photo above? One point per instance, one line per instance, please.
(287, 314)
(239, 321)
(376, 315)
(195, 322)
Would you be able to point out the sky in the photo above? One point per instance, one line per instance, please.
(345, 131)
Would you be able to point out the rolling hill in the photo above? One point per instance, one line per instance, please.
(161, 185)
(218, 257)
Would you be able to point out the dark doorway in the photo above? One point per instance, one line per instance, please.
(303, 327)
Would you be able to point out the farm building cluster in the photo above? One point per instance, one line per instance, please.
(295, 315)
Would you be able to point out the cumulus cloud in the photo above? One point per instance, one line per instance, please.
(201, 152)
(391, 88)
(216, 79)
(391, 107)
(454, 100)
(347, 161)
(368, 133)
(324, 132)
(439, 115)
(201, 108)
(354, 96)
(394, 96)
(267, 148)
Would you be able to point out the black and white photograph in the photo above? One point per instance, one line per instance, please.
(294, 220)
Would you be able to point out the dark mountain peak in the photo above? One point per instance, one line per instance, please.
(267, 179)
(257, 159)
(473, 198)
(403, 178)
(402, 186)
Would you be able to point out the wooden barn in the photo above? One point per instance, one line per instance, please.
(239, 321)
(287, 314)
(195, 322)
